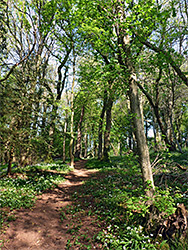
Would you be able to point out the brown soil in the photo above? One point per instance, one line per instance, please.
(42, 227)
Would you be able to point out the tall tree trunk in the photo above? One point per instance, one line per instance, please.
(85, 142)
(64, 137)
(131, 136)
(72, 137)
(100, 137)
(147, 129)
(72, 112)
(140, 136)
(109, 105)
(130, 140)
(155, 132)
(11, 154)
(52, 131)
(79, 135)
(44, 119)
(59, 91)
(100, 133)
(179, 134)
(174, 135)
(125, 49)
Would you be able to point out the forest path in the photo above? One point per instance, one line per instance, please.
(41, 228)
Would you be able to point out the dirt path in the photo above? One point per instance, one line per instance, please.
(41, 228)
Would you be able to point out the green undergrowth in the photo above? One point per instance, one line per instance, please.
(115, 196)
(166, 161)
(109, 210)
(21, 188)
(168, 177)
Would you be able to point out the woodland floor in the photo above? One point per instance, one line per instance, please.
(43, 228)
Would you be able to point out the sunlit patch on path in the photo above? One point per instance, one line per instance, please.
(40, 228)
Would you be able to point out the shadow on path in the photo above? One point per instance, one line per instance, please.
(41, 228)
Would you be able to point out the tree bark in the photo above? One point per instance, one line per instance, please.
(101, 125)
(157, 137)
(11, 153)
(79, 135)
(64, 137)
(140, 136)
(85, 143)
(125, 57)
(59, 91)
(174, 135)
(109, 105)
(72, 112)
(72, 138)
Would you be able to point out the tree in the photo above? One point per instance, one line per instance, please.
(72, 110)
(109, 37)
(26, 83)
(104, 85)
(77, 153)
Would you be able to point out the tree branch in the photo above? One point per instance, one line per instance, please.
(21, 61)
(166, 54)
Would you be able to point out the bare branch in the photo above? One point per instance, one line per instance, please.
(21, 61)
(166, 54)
